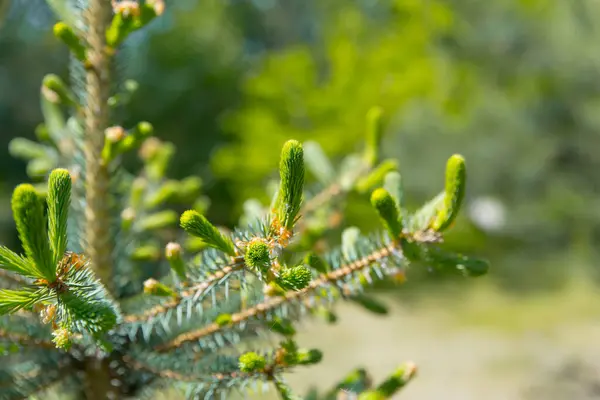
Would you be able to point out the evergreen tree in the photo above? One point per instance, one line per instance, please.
(110, 300)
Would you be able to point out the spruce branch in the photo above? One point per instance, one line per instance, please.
(196, 291)
(330, 278)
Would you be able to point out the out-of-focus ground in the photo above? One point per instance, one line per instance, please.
(481, 345)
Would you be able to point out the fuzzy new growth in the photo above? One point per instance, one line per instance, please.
(196, 224)
(59, 200)
(388, 212)
(454, 192)
(291, 187)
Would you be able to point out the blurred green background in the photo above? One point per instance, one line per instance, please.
(513, 85)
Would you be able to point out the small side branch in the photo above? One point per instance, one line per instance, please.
(191, 291)
(273, 303)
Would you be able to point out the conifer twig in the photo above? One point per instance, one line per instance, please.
(191, 291)
(272, 303)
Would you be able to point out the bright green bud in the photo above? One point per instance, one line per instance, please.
(374, 133)
(173, 191)
(317, 263)
(291, 187)
(370, 304)
(251, 362)
(163, 194)
(173, 254)
(131, 86)
(131, 16)
(56, 91)
(158, 220)
(39, 167)
(146, 253)
(456, 176)
(28, 210)
(26, 149)
(309, 357)
(155, 288)
(113, 136)
(196, 224)
(257, 255)
(122, 24)
(295, 278)
(282, 326)
(138, 190)
(59, 200)
(135, 137)
(223, 319)
(156, 155)
(42, 133)
(68, 37)
(127, 218)
(388, 212)
(375, 177)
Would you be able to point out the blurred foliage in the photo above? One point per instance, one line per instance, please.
(324, 91)
(511, 84)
